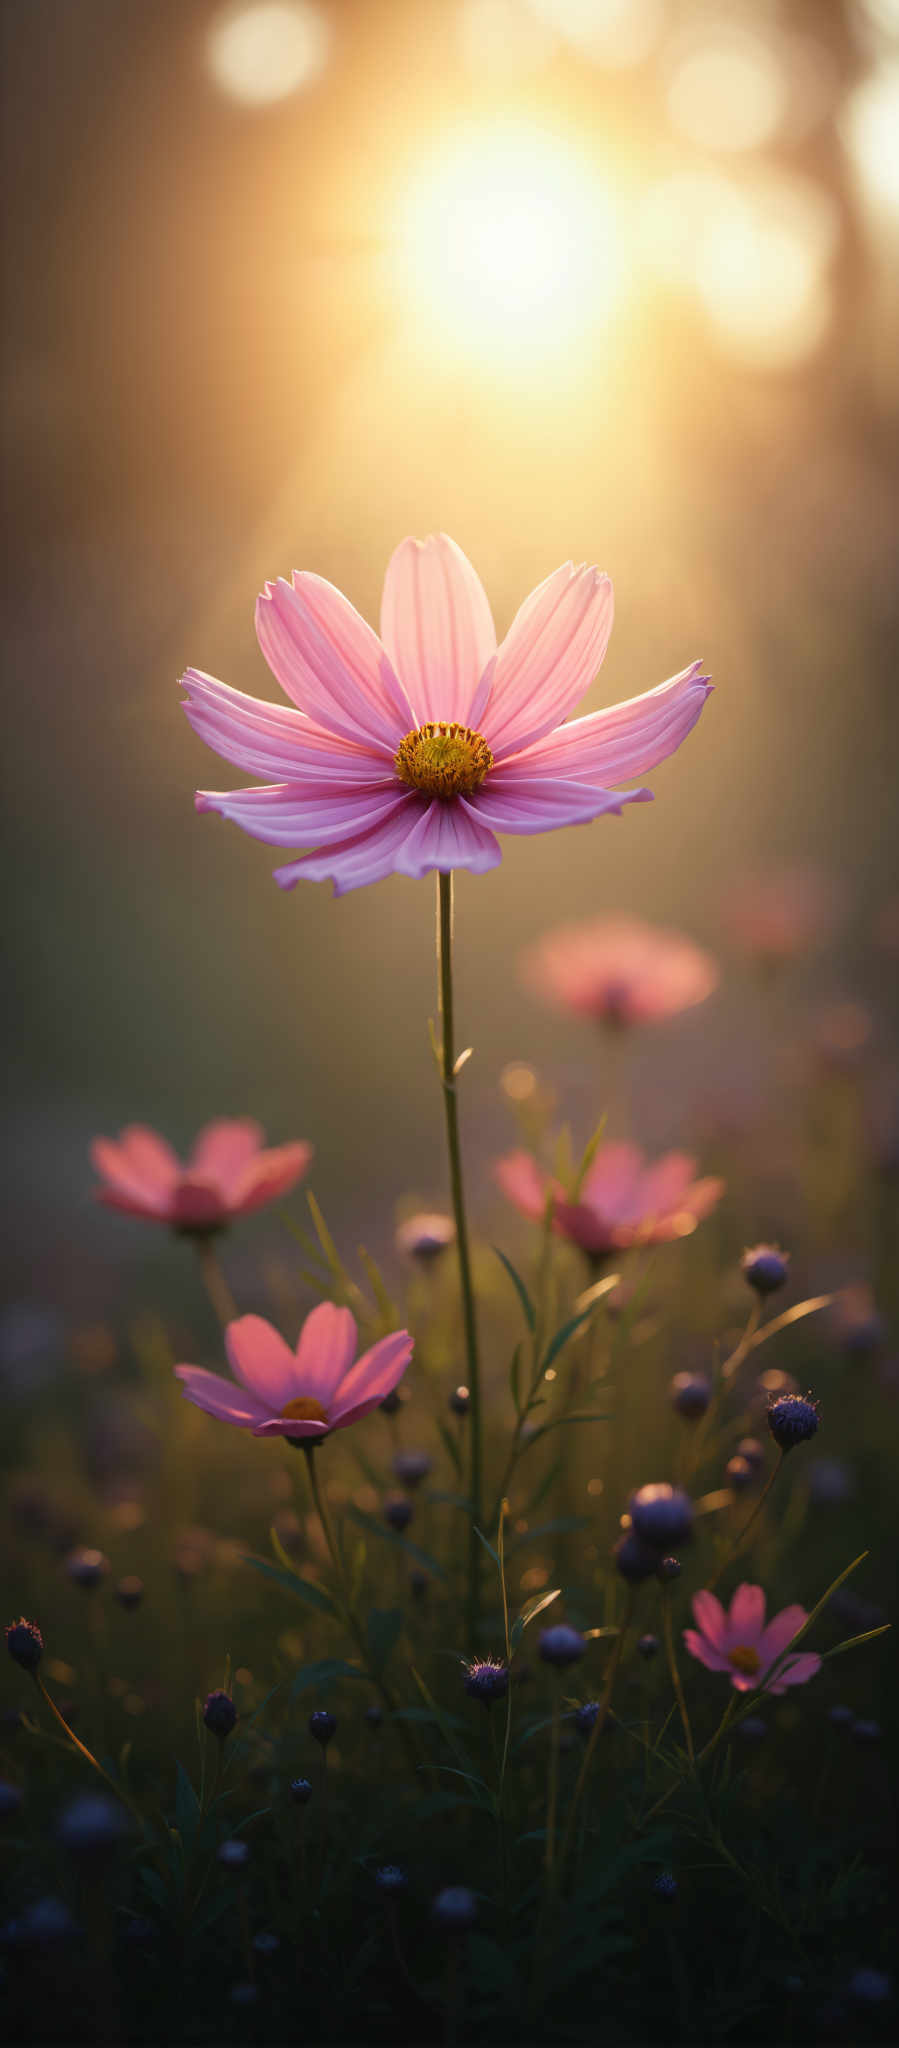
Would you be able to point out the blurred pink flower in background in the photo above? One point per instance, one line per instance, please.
(619, 970)
(229, 1173)
(738, 1642)
(624, 1201)
(785, 912)
(301, 1393)
(408, 753)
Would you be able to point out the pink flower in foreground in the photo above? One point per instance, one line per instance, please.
(301, 1393)
(739, 1643)
(410, 752)
(228, 1173)
(623, 1200)
(619, 970)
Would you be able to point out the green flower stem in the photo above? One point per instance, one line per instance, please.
(348, 1604)
(473, 1375)
(595, 1733)
(124, 1797)
(671, 1654)
(711, 1745)
(740, 1538)
(214, 1281)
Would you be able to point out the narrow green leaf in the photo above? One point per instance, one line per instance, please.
(312, 1676)
(451, 1448)
(488, 1547)
(852, 1642)
(515, 1378)
(589, 1154)
(378, 1286)
(332, 1255)
(382, 1631)
(396, 1541)
(562, 1422)
(453, 1744)
(528, 1309)
(312, 1596)
(545, 1487)
(564, 1336)
(531, 1608)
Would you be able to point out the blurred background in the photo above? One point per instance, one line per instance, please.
(608, 279)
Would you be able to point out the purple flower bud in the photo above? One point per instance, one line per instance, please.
(739, 1474)
(398, 1512)
(86, 1568)
(661, 1515)
(585, 1718)
(753, 1729)
(460, 1401)
(425, 1236)
(753, 1452)
(25, 1643)
(665, 1887)
(648, 1646)
(373, 1717)
(322, 1726)
(234, 1853)
(633, 1559)
(455, 1909)
(691, 1393)
(792, 1420)
(561, 1645)
(129, 1592)
(392, 1402)
(93, 1825)
(266, 1944)
(870, 1987)
(867, 1732)
(486, 1681)
(841, 1716)
(300, 1790)
(391, 1880)
(765, 1268)
(669, 1569)
(219, 1714)
(411, 1467)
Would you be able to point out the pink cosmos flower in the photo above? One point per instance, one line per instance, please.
(739, 1643)
(624, 1201)
(302, 1393)
(778, 915)
(619, 970)
(228, 1173)
(410, 752)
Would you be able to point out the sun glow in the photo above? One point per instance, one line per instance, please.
(508, 242)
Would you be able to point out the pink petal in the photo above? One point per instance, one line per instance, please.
(700, 1647)
(665, 1184)
(154, 1211)
(613, 1183)
(126, 1187)
(280, 815)
(796, 1671)
(272, 1174)
(150, 1156)
(263, 1362)
(779, 1633)
(437, 627)
(524, 803)
(548, 658)
(710, 1617)
(355, 862)
(746, 1618)
(371, 1379)
(325, 1352)
(521, 1180)
(284, 1425)
(627, 739)
(586, 1225)
(219, 1397)
(447, 836)
(703, 1196)
(194, 1205)
(330, 662)
(222, 1150)
(272, 739)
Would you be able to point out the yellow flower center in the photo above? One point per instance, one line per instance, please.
(303, 1409)
(443, 760)
(744, 1658)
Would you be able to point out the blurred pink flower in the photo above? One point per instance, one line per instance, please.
(302, 1393)
(739, 1643)
(228, 1173)
(619, 970)
(778, 915)
(623, 1200)
(410, 752)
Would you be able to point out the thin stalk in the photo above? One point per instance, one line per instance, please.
(125, 1797)
(214, 1281)
(473, 1375)
(349, 1608)
(739, 1539)
(670, 1652)
(711, 1745)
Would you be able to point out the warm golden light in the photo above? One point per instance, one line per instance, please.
(728, 92)
(871, 128)
(262, 52)
(761, 269)
(508, 245)
(612, 33)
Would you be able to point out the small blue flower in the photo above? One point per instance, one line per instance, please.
(25, 1643)
(648, 1646)
(867, 1732)
(300, 1790)
(870, 1987)
(93, 1825)
(129, 1592)
(841, 1716)
(669, 1569)
(633, 1559)
(266, 1944)
(460, 1401)
(753, 1452)
(322, 1726)
(665, 1887)
(753, 1729)
(411, 1467)
(585, 1718)
(373, 1717)
(739, 1473)
(661, 1515)
(455, 1909)
(87, 1568)
(486, 1681)
(219, 1714)
(391, 1879)
(765, 1268)
(234, 1854)
(561, 1645)
(398, 1512)
(792, 1420)
(691, 1393)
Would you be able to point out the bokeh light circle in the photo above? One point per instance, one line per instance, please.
(264, 51)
